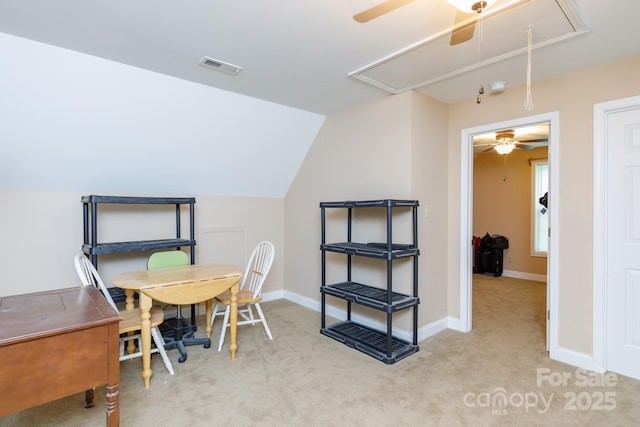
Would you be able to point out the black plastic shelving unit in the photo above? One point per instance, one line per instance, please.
(93, 247)
(381, 345)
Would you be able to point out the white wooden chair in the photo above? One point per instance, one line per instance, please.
(130, 318)
(250, 293)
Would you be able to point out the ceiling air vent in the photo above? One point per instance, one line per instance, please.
(216, 64)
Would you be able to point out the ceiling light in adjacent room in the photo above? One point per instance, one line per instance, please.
(505, 147)
(505, 140)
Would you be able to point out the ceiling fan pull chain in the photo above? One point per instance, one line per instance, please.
(504, 157)
(480, 41)
(528, 104)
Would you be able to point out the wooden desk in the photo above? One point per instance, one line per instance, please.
(57, 343)
(180, 285)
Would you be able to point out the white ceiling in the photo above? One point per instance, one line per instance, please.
(300, 53)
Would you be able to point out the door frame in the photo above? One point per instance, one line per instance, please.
(601, 112)
(466, 219)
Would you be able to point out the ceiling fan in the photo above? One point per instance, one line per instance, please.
(505, 142)
(467, 12)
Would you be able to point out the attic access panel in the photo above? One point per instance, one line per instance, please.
(504, 34)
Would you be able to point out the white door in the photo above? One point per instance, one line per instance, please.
(622, 264)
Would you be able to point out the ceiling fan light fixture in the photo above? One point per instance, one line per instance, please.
(470, 6)
(505, 135)
(505, 147)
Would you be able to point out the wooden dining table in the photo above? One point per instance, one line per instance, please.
(182, 285)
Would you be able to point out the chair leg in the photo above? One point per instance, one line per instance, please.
(215, 313)
(264, 321)
(250, 311)
(225, 324)
(157, 339)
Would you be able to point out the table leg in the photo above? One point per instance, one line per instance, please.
(145, 337)
(233, 321)
(207, 316)
(130, 305)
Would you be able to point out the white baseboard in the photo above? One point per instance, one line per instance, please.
(423, 333)
(454, 323)
(525, 276)
(576, 358)
(433, 328)
(269, 296)
(303, 301)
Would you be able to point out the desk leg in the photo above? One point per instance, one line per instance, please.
(145, 337)
(113, 376)
(130, 305)
(233, 322)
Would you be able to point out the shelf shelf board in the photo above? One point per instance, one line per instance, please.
(372, 250)
(371, 296)
(140, 245)
(369, 341)
(370, 203)
(138, 200)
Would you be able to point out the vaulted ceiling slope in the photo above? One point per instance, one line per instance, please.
(301, 53)
(75, 122)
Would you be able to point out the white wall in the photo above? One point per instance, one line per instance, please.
(390, 148)
(72, 124)
(42, 230)
(71, 121)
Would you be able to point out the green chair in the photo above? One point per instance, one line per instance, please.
(167, 259)
(180, 337)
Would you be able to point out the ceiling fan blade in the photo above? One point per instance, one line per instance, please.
(379, 10)
(525, 146)
(463, 28)
(533, 140)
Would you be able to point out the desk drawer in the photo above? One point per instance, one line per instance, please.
(45, 369)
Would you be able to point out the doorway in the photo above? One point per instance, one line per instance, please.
(510, 176)
(466, 217)
(507, 188)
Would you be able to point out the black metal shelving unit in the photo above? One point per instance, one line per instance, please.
(382, 345)
(93, 247)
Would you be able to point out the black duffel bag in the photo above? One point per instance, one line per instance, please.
(495, 241)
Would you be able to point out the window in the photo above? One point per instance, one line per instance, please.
(540, 214)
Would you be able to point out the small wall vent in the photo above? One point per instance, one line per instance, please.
(222, 66)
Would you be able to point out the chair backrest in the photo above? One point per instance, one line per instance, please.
(258, 268)
(167, 259)
(90, 277)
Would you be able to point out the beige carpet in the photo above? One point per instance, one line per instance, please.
(302, 378)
